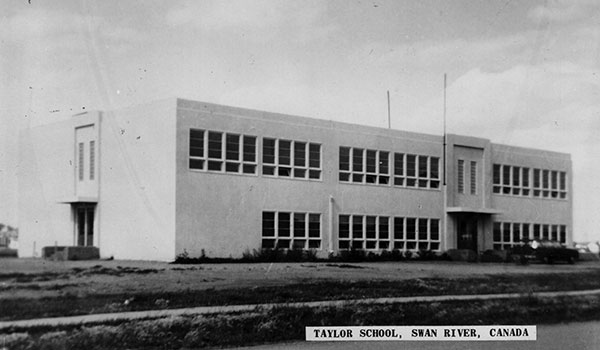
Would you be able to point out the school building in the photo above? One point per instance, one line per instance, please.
(153, 181)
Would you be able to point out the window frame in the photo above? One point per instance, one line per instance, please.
(295, 240)
(225, 163)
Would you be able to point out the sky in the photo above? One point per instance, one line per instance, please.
(524, 73)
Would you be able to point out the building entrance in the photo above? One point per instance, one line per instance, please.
(467, 231)
(84, 224)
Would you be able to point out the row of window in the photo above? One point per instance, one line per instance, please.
(367, 166)
(288, 230)
(80, 160)
(234, 153)
(509, 234)
(521, 181)
(293, 230)
(373, 232)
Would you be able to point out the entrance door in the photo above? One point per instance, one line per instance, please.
(84, 225)
(467, 232)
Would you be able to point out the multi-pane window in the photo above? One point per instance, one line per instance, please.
(416, 171)
(507, 234)
(293, 159)
(359, 165)
(364, 232)
(416, 234)
(222, 152)
(92, 159)
(473, 177)
(522, 181)
(460, 176)
(80, 161)
(286, 230)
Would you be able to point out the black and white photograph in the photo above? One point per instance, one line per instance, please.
(299, 174)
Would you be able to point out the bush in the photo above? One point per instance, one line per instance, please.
(310, 255)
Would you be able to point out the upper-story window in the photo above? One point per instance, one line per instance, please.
(80, 160)
(293, 159)
(92, 159)
(361, 165)
(367, 166)
(522, 181)
(217, 151)
(473, 177)
(461, 176)
(412, 170)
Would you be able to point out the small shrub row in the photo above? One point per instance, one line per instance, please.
(303, 255)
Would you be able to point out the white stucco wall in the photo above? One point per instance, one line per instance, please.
(222, 213)
(137, 182)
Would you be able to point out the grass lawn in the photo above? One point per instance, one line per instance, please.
(32, 288)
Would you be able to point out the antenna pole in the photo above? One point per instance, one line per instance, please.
(389, 116)
(444, 150)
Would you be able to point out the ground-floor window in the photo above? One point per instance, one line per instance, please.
(291, 230)
(373, 232)
(509, 234)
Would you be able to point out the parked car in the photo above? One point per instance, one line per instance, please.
(545, 251)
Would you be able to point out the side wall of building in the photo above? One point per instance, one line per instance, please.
(220, 214)
(136, 209)
(531, 209)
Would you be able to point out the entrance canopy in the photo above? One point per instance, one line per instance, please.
(484, 211)
(78, 199)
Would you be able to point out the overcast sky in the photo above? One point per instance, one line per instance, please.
(524, 73)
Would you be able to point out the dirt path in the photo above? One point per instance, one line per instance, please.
(205, 310)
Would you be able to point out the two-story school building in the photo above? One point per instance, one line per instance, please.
(153, 181)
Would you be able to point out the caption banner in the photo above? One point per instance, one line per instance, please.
(422, 333)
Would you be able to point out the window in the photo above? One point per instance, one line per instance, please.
(562, 238)
(554, 184)
(421, 171)
(344, 232)
(536, 182)
(497, 236)
(461, 176)
(516, 180)
(523, 181)
(411, 174)
(549, 184)
(473, 177)
(292, 159)
(314, 161)
(367, 166)
(81, 155)
(399, 169)
(507, 234)
(416, 234)
(269, 156)
(92, 159)
(286, 230)
(506, 171)
(562, 185)
(344, 164)
(434, 172)
(367, 232)
(545, 183)
(222, 152)
(497, 178)
(215, 151)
